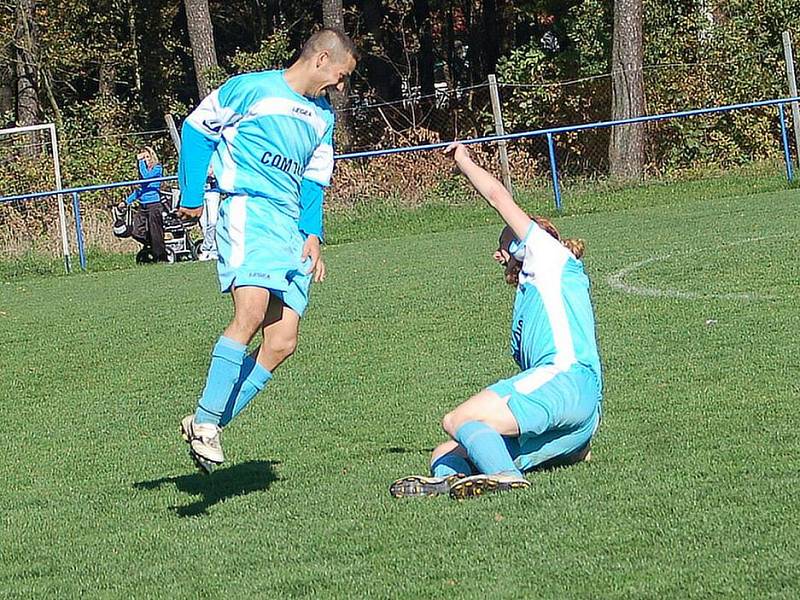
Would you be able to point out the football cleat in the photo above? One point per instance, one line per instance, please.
(206, 447)
(418, 486)
(480, 485)
(201, 463)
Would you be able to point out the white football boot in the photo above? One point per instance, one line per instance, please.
(205, 446)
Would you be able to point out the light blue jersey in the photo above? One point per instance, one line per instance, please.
(553, 320)
(271, 152)
(556, 399)
(262, 138)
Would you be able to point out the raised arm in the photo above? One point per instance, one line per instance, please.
(148, 173)
(492, 190)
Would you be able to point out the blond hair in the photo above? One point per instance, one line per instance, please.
(153, 154)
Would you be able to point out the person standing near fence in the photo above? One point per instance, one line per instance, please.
(269, 137)
(208, 220)
(148, 223)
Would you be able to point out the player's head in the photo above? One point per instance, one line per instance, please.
(505, 257)
(330, 56)
(152, 156)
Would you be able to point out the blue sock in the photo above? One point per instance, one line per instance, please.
(451, 463)
(252, 379)
(226, 363)
(486, 448)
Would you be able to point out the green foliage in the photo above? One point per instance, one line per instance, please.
(740, 55)
(272, 54)
(735, 56)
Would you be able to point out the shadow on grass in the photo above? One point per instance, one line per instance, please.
(238, 480)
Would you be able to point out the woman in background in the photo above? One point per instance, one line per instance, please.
(148, 223)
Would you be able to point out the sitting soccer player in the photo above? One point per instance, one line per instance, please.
(548, 413)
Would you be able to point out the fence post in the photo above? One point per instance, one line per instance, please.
(173, 132)
(554, 170)
(787, 54)
(500, 130)
(76, 211)
(61, 212)
(787, 156)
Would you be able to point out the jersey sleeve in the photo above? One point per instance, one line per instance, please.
(320, 167)
(202, 131)
(311, 201)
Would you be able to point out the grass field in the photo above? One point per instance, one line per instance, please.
(692, 491)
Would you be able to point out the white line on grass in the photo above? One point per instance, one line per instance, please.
(617, 280)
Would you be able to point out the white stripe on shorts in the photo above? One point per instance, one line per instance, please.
(537, 379)
(236, 226)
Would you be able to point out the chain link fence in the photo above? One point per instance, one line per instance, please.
(675, 147)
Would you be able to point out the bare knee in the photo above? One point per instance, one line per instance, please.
(281, 347)
(245, 324)
(452, 422)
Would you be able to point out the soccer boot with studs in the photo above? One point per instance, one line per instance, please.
(419, 486)
(480, 485)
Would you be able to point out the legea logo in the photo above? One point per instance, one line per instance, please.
(301, 111)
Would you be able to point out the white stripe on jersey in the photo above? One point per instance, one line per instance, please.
(288, 108)
(543, 267)
(210, 118)
(320, 167)
(236, 226)
(549, 288)
(227, 175)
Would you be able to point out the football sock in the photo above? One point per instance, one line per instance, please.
(226, 364)
(451, 463)
(252, 379)
(486, 448)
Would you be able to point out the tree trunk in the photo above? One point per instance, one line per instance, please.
(137, 68)
(7, 80)
(425, 60)
(333, 16)
(26, 64)
(626, 148)
(108, 75)
(201, 37)
(490, 31)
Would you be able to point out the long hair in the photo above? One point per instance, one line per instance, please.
(576, 246)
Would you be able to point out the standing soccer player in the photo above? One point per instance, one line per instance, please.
(547, 413)
(269, 139)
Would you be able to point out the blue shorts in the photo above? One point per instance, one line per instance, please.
(557, 412)
(261, 246)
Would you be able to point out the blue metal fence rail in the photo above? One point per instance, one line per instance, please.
(549, 133)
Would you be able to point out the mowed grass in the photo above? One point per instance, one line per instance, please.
(692, 491)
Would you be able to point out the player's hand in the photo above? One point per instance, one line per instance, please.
(186, 214)
(320, 270)
(458, 152)
(311, 249)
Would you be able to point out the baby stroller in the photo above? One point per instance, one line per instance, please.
(178, 239)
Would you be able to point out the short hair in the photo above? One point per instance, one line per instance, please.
(329, 38)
